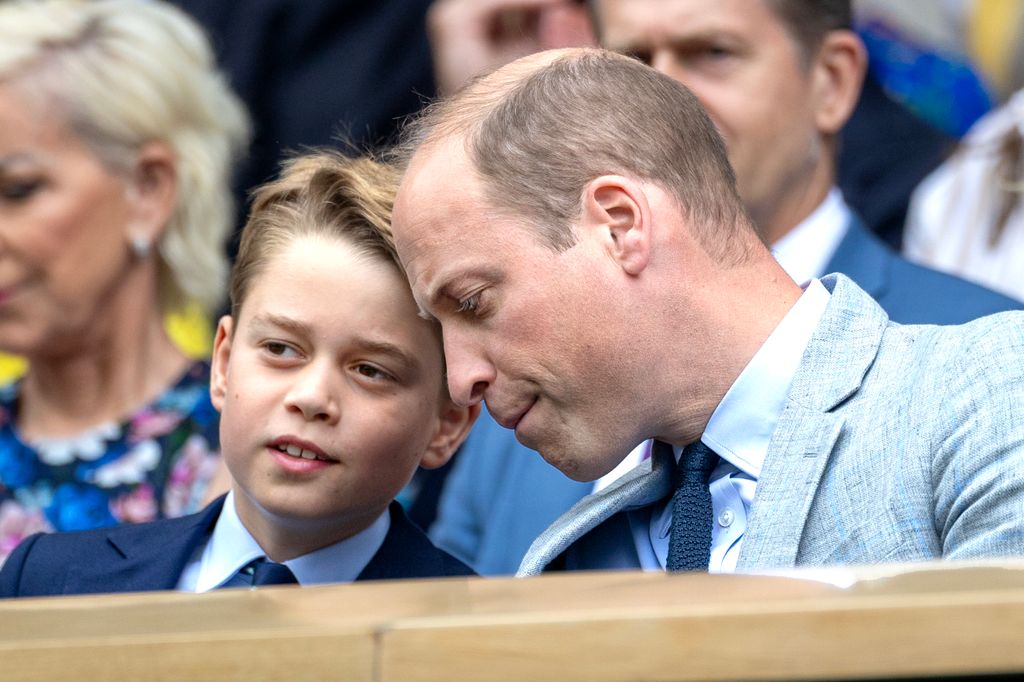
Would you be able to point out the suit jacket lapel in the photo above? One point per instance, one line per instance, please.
(838, 356)
(148, 556)
(648, 482)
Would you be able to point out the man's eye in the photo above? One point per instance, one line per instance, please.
(470, 304)
(19, 190)
(642, 56)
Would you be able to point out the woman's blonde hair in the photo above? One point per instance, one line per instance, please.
(127, 72)
(322, 193)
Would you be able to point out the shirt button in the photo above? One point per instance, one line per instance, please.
(725, 519)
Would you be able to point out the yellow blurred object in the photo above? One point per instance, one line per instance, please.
(190, 329)
(993, 35)
(11, 367)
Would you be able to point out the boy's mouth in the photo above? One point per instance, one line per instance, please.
(300, 449)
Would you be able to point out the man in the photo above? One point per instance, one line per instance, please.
(780, 79)
(573, 222)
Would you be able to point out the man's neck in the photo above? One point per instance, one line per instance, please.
(776, 221)
(743, 309)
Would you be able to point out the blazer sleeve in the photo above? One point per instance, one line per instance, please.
(978, 462)
(14, 567)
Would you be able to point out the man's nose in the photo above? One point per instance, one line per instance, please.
(470, 373)
(314, 394)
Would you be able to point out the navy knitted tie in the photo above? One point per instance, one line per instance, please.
(267, 572)
(689, 545)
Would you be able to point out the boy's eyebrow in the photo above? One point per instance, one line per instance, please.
(387, 348)
(371, 345)
(289, 323)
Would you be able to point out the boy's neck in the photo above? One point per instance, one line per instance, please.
(283, 539)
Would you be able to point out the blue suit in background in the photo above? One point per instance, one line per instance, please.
(501, 495)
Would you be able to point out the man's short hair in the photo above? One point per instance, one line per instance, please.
(536, 140)
(809, 21)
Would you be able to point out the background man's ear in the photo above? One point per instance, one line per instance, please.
(453, 427)
(153, 191)
(616, 209)
(219, 362)
(837, 76)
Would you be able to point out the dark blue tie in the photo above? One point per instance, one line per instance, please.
(267, 572)
(689, 545)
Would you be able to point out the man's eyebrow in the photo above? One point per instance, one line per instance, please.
(15, 159)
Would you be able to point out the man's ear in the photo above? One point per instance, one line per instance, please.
(837, 75)
(616, 210)
(153, 192)
(219, 362)
(453, 427)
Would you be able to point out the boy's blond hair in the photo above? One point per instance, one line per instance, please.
(321, 193)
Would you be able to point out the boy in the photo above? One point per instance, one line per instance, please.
(331, 392)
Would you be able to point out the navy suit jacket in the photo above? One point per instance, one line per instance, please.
(151, 556)
(909, 293)
(501, 495)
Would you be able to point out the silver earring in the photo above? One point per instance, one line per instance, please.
(140, 246)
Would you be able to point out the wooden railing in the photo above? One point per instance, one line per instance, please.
(927, 620)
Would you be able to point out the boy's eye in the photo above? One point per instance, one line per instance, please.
(280, 349)
(373, 372)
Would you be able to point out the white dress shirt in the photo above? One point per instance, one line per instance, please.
(231, 547)
(805, 251)
(739, 431)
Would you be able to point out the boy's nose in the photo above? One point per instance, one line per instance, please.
(313, 394)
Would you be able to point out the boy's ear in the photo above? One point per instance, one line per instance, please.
(453, 427)
(219, 362)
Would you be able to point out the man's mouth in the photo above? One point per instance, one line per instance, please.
(512, 421)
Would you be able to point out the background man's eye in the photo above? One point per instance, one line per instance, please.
(19, 191)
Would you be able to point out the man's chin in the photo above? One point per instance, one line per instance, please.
(573, 465)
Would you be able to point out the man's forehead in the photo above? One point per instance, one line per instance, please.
(668, 20)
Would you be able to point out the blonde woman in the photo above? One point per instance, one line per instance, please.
(117, 136)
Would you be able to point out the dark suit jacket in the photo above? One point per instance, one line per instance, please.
(909, 293)
(312, 70)
(151, 556)
(885, 151)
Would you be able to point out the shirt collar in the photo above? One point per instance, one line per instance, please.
(231, 547)
(742, 425)
(805, 251)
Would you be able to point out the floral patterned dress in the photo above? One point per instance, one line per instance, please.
(156, 464)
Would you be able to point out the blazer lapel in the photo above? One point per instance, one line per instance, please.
(789, 480)
(837, 358)
(648, 482)
(148, 556)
